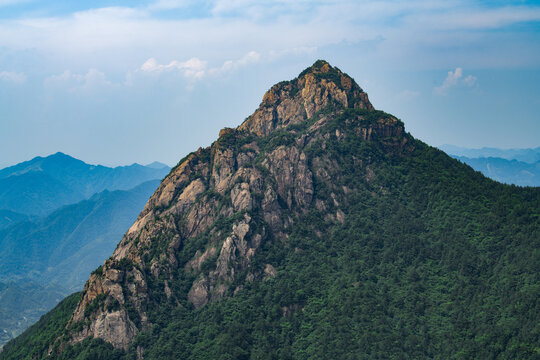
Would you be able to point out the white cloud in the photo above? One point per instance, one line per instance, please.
(13, 77)
(450, 81)
(66, 76)
(470, 80)
(196, 68)
(454, 78)
(150, 65)
(230, 65)
(219, 30)
(216, 32)
(249, 58)
(93, 79)
(193, 68)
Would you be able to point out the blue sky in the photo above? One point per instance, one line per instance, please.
(117, 82)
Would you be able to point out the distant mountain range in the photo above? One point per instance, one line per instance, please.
(8, 218)
(22, 303)
(523, 155)
(506, 171)
(43, 184)
(60, 218)
(66, 245)
(509, 166)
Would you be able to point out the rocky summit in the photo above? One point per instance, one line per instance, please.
(237, 178)
(318, 228)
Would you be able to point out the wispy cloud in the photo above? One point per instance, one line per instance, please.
(196, 68)
(225, 29)
(92, 80)
(193, 68)
(477, 18)
(229, 65)
(13, 77)
(454, 78)
(470, 80)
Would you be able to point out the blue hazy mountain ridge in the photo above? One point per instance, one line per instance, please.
(66, 245)
(43, 184)
(510, 166)
(35, 193)
(8, 218)
(157, 165)
(22, 303)
(531, 155)
(60, 218)
(506, 171)
(43, 260)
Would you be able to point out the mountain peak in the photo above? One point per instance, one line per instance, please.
(321, 69)
(60, 154)
(318, 66)
(316, 89)
(240, 193)
(157, 165)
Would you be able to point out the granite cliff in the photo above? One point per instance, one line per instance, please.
(215, 193)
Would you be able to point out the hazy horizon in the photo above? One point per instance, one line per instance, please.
(442, 147)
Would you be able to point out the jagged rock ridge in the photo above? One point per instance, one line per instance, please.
(224, 201)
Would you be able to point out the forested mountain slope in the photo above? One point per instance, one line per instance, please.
(9, 218)
(43, 260)
(317, 229)
(22, 303)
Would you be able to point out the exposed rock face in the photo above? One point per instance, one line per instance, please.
(247, 188)
(295, 101)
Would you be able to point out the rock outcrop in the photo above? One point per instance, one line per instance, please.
(212, 213)
(293, 102)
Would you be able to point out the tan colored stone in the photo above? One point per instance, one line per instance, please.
(198, 294)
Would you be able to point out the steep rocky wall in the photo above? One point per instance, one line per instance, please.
(256, 180)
